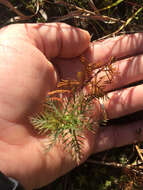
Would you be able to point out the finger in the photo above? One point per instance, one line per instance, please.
(53, 39)
(123, 102)
(117, 136)
(127, 72)
(117, 47)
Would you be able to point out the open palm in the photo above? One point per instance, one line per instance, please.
(32, 58)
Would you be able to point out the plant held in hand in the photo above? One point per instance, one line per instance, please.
(68, 111)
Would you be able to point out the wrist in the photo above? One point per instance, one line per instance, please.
(8, 183)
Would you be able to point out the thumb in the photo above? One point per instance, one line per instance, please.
(53, 39)
(60, 39)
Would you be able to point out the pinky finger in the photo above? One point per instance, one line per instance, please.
(117, 136)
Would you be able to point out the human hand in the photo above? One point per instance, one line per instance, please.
(123, 99)
(27, 75)
(126, 91)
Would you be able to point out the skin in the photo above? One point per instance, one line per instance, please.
(32, 58)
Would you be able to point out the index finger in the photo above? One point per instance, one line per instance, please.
(118, 47)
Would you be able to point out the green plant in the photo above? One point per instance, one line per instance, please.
(65, 119)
